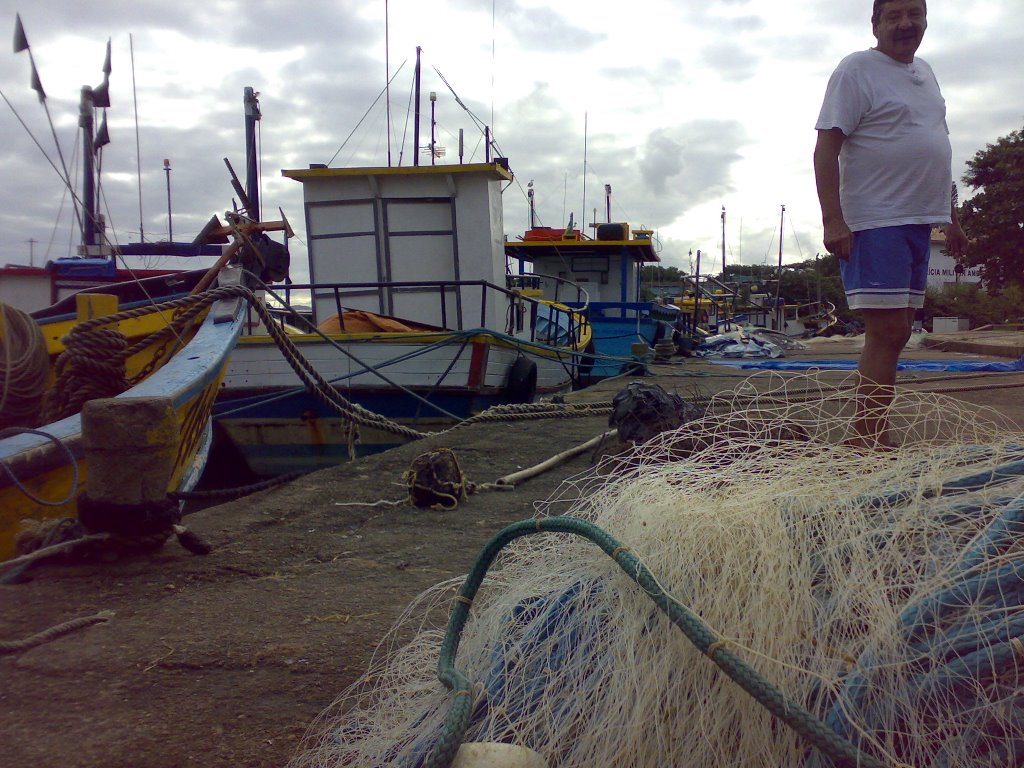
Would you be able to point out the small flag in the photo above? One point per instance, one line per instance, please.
(102, 136)
(20, 41)
(37, 84)
(101, 94)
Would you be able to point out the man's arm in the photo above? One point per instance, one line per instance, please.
(838, 238)
(956, 240)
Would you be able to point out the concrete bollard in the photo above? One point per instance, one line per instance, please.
(131, 447)
(491, 754)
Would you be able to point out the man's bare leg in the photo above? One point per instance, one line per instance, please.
(886, 332)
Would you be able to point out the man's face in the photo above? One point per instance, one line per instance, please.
(900, 28)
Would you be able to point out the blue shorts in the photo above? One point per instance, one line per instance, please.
(888, 267)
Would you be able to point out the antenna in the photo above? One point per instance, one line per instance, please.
(138, 152)
(584, 165)
(387, 77)
(170, 230)
(723, 242)
(529, 196)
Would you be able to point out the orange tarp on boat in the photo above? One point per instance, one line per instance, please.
(358, 321)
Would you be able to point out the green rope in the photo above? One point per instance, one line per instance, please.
(811, 728)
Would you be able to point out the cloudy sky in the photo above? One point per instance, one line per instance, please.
(681, 106)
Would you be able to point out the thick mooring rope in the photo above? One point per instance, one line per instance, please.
(51, 634)
(24, 365)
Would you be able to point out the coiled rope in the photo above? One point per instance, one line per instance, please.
(25, 366)
(93, 362)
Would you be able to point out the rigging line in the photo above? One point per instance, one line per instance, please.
(71, 191)
(68, 187)
(355, 359)
(405, 130)
(493, 14)
(34, 139)
(369, 109)
(138, 151)
(796, 237)
(479, 123)
(387, 74)
(56, 141)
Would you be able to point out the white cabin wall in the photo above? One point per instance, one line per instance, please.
(25, 292)
(396, 227)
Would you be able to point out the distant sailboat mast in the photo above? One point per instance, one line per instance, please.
(779, 312)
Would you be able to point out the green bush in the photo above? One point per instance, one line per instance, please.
(979, 307)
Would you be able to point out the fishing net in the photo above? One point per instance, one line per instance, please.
(881, 591)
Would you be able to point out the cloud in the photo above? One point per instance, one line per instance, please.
(692, 160)
(687, 106)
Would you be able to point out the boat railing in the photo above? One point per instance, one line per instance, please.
(557, 289)
(525, 316)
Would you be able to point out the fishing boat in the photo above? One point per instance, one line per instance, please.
(609, 267)
(106, 395)
(410, 317)
(165, 348)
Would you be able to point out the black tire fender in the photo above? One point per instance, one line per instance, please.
(521, 385)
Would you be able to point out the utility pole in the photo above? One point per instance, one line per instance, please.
(433, 124)
(170, 230)
(31, 253)
(723, 243)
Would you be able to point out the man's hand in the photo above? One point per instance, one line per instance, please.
(838, 239)
(956, 240)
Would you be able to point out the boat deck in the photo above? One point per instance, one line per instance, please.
(225, 660)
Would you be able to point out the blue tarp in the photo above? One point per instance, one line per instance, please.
(959, 366)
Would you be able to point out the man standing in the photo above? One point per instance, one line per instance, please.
(882, 169)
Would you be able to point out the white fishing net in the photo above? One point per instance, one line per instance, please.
(881, 591)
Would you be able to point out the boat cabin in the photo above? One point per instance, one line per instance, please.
(406, 241)
(607, 267)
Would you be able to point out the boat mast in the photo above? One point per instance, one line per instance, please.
(696, 293)
(252, 185)
(416, 120)
(85, 122)
(779, 312)
(138, 150)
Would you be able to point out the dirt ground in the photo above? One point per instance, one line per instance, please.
(226, 659)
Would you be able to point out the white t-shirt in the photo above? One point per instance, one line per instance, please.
(894, 166)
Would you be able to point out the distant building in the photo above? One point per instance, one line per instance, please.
(942, 268)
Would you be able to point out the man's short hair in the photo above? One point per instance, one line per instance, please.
(876, 9)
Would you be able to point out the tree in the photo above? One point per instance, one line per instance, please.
(993, 218)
